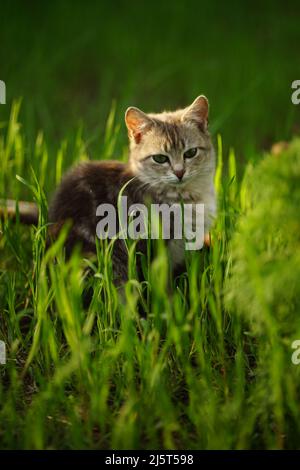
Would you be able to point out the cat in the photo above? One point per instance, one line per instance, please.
(171, 159)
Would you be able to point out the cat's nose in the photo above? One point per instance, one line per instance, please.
(179, 173)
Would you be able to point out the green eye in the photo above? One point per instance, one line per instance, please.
(191, 153)
(160, 158)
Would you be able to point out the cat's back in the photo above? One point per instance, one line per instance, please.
(85, 186)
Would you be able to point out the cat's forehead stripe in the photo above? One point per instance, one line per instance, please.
(172, 136)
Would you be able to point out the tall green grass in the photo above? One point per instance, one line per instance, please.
(191, 373)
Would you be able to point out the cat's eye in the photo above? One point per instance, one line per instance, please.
(160, 158)
(190, 153)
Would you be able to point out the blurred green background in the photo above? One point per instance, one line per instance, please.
(70, 60)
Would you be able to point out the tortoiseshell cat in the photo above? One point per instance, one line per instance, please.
(171, 159)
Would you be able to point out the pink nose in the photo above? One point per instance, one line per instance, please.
(179, 173)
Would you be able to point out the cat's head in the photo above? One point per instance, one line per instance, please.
(171, 148)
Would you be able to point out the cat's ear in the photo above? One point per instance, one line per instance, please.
(137, 123)
(198, 112)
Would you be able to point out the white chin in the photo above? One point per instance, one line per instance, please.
(178, 182)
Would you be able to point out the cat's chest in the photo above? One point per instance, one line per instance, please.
(198, 207)
(191, 204)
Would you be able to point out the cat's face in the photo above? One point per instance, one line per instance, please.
(171, 148)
